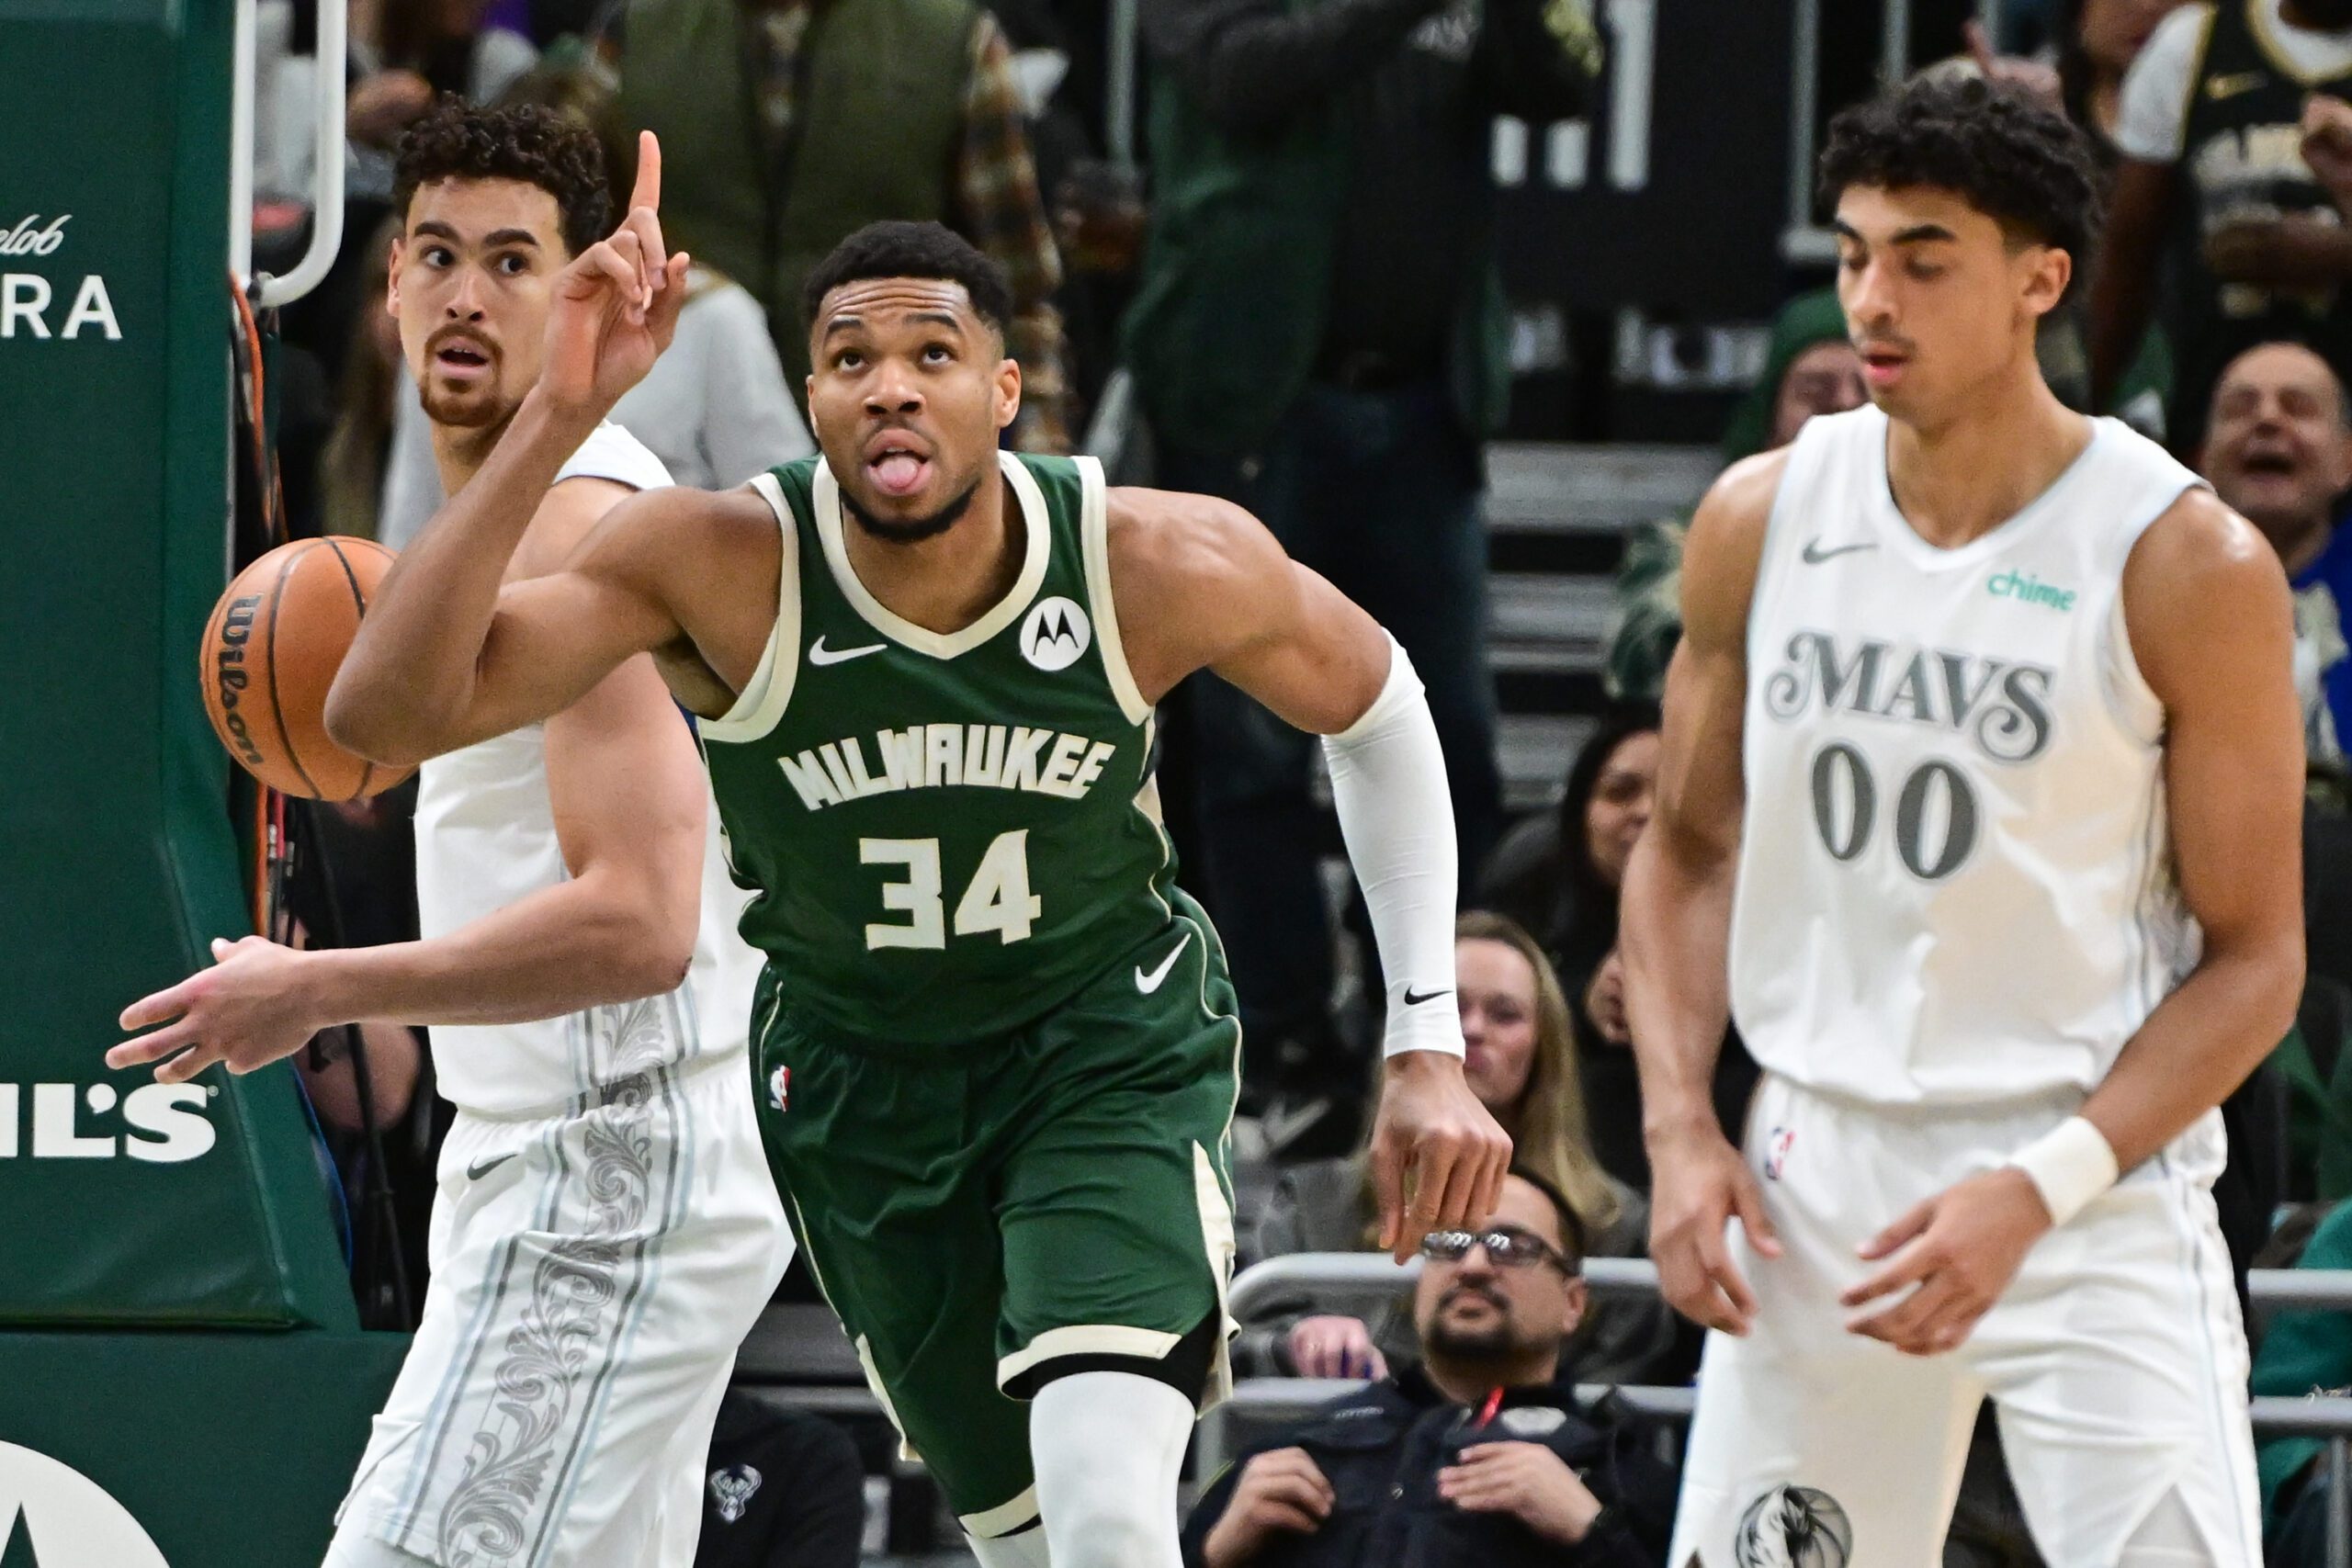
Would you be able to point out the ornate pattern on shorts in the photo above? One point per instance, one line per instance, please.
(566, 1332)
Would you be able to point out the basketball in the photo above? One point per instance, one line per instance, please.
(270, 652)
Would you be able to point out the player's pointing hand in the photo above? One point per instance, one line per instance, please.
(1434, 1142)
(616, 306)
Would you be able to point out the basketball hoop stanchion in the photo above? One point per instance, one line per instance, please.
(171, 1279)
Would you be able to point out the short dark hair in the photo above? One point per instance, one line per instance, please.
(1999, 147)
(895, 249)
(1572, 1237)
(524, 141)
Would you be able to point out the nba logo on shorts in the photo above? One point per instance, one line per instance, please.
(779, 1088)
(1776, 1150)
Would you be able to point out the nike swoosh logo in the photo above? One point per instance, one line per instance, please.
(1815, 555)
(1281, 1124)
(482, 1167)
(1149, 983)
(1413, 999)
(820, 654)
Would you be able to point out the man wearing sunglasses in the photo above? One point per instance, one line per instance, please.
(1479, 1456)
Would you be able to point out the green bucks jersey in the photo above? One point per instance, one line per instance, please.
(948, 833)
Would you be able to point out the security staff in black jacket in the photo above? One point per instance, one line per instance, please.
(1480, 1459)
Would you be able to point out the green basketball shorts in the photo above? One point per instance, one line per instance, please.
(1038, 1202)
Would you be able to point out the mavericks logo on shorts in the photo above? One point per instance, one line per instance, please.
(1794, 1527)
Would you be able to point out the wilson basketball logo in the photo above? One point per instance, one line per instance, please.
(230, 675)
(1057, 634)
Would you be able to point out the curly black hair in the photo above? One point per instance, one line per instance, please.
(538, 146)
(2008, 154)
(912, 250)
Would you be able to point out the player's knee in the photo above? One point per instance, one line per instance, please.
(1101, 1528)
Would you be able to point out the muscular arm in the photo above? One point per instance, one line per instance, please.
(1675, 915)
(1201, 584)
(1675, 925)
(1215, 592)
(446, 657)
(2123, 289)
(2212, 629)
(628, 800)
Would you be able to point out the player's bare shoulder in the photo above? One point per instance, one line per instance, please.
(1725, 546)
(2198, 577)
(712, 560)
(1192, 577)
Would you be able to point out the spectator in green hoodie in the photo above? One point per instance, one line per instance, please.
(1811, 368)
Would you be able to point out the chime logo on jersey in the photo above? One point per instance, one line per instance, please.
(2003, 706)
(1057, 634)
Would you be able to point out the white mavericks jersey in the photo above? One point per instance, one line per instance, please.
(485, 837)
(1955, 881)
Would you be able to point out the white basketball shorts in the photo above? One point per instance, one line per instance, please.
(593, 1275)
(2116, 1363)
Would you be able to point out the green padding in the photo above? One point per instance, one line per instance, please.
(121, 1201)
(225, 1450)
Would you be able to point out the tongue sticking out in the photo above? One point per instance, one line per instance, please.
(899, 472)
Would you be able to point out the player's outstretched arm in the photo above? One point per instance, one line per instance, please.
(628, 800)
(1675, 924)
(443, 657)
(1204, 586)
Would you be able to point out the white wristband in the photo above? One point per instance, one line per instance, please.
(2069, 1166)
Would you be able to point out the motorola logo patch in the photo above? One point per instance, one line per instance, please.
(1057, 634)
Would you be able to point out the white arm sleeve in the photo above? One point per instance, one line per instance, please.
(1388, 785)
(2151, 119)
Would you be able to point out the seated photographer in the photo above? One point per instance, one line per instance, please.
(1481, 1456)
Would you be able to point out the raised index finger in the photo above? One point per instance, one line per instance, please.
(649, 173)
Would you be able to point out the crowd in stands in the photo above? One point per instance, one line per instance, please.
(1312, 316)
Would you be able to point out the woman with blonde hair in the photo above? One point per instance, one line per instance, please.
(1521, 1061)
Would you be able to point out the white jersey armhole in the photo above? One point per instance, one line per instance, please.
(1806, 456)
(2132, 701)
(612, 454)
(1094, 535)
(764, 697)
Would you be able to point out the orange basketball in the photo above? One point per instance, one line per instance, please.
(270, 652)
